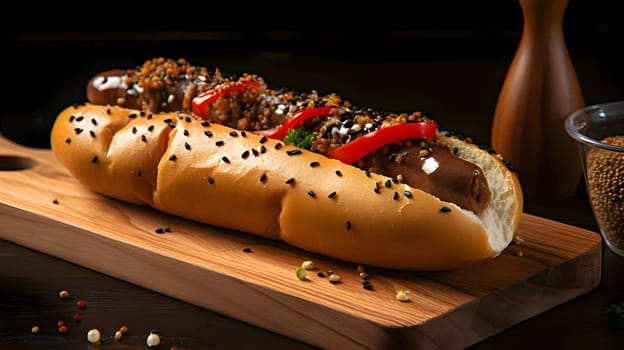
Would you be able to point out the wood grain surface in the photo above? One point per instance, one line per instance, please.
(210, 267)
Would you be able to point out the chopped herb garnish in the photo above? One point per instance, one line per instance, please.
(301, 137)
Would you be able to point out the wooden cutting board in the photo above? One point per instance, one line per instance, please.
(253, 279)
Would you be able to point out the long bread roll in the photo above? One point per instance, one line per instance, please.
(221, 176)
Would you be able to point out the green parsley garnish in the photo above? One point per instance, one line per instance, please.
(301, 137)
(615, 314)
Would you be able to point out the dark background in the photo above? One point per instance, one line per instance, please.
(447, 58)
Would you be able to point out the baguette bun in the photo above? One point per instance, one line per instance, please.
(224, 177)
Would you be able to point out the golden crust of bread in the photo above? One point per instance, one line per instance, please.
(224, 177)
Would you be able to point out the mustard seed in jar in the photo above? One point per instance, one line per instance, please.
(605, 183)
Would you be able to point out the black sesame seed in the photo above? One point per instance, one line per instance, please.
(290, 181)
(187, 146)
(395, 195)
(220, 143)
(187, 119)
(55, 201)
(311, 194)
(93, 121)
(68, 140)
(208, 133)
(243, 134)
(210, 180)
(455, 150)
(321, 274)
(108, 111)
(160, 230)
(78, 131)
(134, 130)
(79, 119)
(94, 159)
(338, 173)
(225, 159)
(205, 123)
(293, 152)
(278, 145)
(132, 115)
(233, 134)
(245, 154)
(367, 172)
(407, 194)
(150, 128)
(72, 118)
(139, 173)
(388, 183)
(262, 149)
(263, 139)
(143, 138)
(149, 116)
(331, 195)
(186, 132)
(142, 113)
(314, 164)
(445, 209)
(247, 250)
(92, 133)
(173, 157)
(348, 225)
(255, 152)
(263, 178)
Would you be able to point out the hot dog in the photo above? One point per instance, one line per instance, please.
(428, 202)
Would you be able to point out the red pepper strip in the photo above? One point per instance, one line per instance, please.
(363, 145)
(280, 133)
(201, 102)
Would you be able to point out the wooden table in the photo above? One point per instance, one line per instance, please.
(30, 281)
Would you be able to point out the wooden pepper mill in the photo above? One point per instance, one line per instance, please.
(539, 91)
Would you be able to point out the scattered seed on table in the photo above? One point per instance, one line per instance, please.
(402, 295)
(64, 294)
(334, 278)
(366, 285)
(308, 265)
(34, 330)
(63, 329)
(153, 339)
(81, 304)
(93, 336)
(301, 273)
